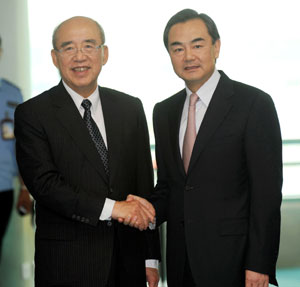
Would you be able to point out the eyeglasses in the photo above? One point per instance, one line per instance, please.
(71, 50)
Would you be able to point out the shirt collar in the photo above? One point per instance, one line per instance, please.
(206, 91)
(94, 98)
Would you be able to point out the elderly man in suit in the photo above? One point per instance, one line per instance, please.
(81, 150)
(218, 150)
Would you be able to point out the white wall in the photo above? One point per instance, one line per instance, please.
(14, 63)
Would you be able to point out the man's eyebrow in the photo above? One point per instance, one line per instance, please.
(176, 43)
(197, 40)
(64, 44)
(90, 41)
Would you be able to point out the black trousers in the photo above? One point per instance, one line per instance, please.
(113, 278)
(118, 276)
(6, 203)
(188, 280)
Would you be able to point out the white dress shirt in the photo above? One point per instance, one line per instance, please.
(205, 94)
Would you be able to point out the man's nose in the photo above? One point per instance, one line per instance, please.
(79, 54)
(188, 54)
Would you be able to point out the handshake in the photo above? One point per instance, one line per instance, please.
(135, 211)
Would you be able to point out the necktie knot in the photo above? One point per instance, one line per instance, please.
(86, 104)
(193, 99)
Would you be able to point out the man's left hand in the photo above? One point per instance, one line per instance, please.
(254, 279)
(152, 276)
(24, 202)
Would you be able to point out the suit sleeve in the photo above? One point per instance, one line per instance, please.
(160, 197)
(40, 174)
(263, 146)
(145, 181)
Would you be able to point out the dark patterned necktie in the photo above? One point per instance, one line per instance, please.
(95, 134)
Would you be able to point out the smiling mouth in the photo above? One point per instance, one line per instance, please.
(80, 69)
(191, 68)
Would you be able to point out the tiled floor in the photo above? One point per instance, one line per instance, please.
(288, 277)
(285, 277)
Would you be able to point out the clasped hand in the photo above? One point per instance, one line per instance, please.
(135, 211)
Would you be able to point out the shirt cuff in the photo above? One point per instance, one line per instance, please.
(152, 263)
(107, 209)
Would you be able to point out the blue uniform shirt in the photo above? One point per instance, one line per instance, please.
(10, 97)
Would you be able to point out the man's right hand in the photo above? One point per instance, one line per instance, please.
(135, 213)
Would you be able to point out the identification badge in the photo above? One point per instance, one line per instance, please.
(7, 129)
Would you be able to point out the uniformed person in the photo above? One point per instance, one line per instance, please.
(10, 97)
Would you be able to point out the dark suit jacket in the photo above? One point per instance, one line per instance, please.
(226, 210)
(63, 171)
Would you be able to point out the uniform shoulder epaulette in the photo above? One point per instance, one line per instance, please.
(10, 84)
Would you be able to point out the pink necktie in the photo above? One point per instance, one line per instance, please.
(190, 133)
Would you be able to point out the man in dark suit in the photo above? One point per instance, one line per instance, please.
(81, 150)
(218, 151)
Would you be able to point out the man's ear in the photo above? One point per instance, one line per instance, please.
(104, 54)
(217, 47)
(54, 58)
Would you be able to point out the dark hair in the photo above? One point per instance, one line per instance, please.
(189, 14)
(102, 35)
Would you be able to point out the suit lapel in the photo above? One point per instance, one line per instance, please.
(70, 118)
(217, 110)
(174, 125)
(113, 126)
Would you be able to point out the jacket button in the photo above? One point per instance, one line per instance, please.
(73, 216)
(78, 217)
(109, 223)
(188, 188)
